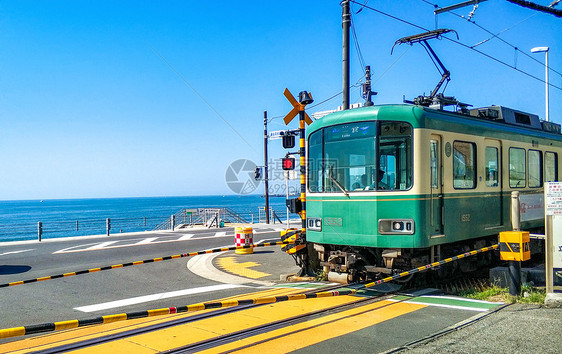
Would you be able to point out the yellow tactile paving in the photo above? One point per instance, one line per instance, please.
(204, 329)
(53, 339)
(318, 330)
(231, 265)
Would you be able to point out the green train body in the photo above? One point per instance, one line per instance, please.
(394, 186)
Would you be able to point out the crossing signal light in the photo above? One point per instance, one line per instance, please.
(288, 141)
(288, 163)
(257, 173)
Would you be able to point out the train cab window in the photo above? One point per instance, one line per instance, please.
(464, 165)
(491, 156)
(535, 168)
(517, 168)
(359, 157)
(314, 163)
(394, 151)
(550, 166)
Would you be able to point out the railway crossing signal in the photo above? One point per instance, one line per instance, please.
(288, 163)
(297, 107)
(298, 205)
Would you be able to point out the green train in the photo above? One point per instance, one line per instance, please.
(393, 187)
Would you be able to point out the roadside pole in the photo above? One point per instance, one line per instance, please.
(265, 172)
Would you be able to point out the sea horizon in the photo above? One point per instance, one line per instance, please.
(19, 219)
(126, 197)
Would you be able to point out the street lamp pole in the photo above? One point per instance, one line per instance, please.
(545, 50)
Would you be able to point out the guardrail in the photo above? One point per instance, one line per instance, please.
(215, 217)
(80, 227)
(37, 230)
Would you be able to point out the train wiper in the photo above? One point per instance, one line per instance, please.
(336, 181)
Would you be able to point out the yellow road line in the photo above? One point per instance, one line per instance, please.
(231, 265)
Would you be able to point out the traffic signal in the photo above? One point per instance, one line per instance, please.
(288, 163)
(288, 141)
(257, 173)
(294, 205)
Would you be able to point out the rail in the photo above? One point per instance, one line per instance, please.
(62, 325)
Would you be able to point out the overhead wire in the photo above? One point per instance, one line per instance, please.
(497, 35)
(459, 43)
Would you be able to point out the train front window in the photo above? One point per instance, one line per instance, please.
(362, 156)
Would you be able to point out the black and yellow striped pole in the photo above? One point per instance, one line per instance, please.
(304, 99)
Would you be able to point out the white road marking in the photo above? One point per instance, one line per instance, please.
(154, 297)
(146, 241)
(185, 237)
(14, 252)
(100, 245)
(478, 309)
(110, 245)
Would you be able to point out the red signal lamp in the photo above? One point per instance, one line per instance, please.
(288, 163)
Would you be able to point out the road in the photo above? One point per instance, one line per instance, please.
(57, 299)
(310, 325)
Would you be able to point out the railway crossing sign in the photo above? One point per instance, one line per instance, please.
(297, 107)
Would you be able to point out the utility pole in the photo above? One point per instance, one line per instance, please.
(346, 23)
(265, 172)
(367, 93)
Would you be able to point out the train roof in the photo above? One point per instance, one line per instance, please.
(474, 121)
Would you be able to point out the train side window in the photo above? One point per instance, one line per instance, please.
(550, 166)
(535, 168)
(517, 167)
(464, 165)
(491, 155)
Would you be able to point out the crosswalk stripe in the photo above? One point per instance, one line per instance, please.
(146, 241)
(186, 237)
(100, 245)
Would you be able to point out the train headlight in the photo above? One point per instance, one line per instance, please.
(396, 226)
(314, 224)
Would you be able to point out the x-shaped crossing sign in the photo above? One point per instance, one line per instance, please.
(297, 107)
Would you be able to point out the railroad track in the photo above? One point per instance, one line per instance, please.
(221, 339)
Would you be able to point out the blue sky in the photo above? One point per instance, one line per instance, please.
(90, 108)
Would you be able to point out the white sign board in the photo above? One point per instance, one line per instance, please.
(553, 210)
(278, 134)
(553, 195)
(291, 174)
(557, 241)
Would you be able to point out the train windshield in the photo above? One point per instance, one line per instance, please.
(361, 156)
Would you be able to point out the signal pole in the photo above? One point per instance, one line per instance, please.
(346, 22)
(266, 175)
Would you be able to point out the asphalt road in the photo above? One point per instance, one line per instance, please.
(58, 299)
(171, 284)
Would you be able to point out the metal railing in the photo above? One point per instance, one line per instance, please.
(29, 230)
(210, 217)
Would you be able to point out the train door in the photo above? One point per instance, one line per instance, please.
(493, 182)
(436, 187)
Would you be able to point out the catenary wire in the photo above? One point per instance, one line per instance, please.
(459, 43)
(497, 35)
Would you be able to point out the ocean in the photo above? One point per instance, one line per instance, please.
(78, 217)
